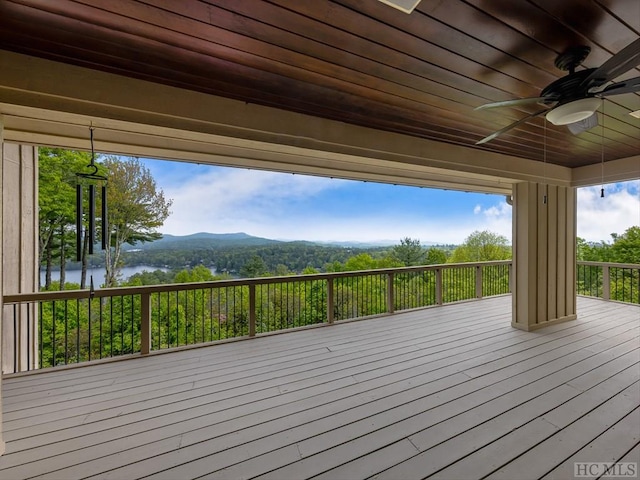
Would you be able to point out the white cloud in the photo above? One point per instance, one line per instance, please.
(236, 200)
(264, 204)
(599, 217)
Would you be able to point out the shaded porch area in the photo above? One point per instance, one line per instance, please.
(445, 392)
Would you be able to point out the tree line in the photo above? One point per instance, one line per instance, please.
(623, 248)
(303, 258)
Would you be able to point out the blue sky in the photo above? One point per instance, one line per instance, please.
(299, 207)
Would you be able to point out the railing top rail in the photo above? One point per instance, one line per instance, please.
(148, 289)
(609, 264)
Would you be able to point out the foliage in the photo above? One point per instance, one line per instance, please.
(156, 277)
(255, 267)
(409, 252)
(436, 256)
(278, 258)
(624, 249)
(481, 247)
(624, 283)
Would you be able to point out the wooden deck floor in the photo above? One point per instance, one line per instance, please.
(447, 392)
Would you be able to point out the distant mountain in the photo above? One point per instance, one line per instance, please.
(203, 241)
(353, 244)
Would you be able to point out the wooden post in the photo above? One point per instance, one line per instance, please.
(145, 323)
(438, 286)
(478, 281)
(252, 310)
(2, 444)
(606, 282)
(390, 294)
(330, 301)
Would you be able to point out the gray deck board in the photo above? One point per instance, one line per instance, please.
(451, 392)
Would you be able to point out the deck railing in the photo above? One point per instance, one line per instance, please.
(610, 281)
(65, 327)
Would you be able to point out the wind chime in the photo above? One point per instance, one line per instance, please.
(92, 180)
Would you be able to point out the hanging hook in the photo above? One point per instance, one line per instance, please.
(94, 171)
(93, 174)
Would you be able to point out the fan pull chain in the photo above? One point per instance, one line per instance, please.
(544, 168)
(602, 154)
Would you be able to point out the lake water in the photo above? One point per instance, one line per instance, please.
(73, 276)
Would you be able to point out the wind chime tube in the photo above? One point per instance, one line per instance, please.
(92, 217)
(105, 223)
(78, 222)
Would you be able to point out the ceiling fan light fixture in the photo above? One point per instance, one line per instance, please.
(405, 6)
(575, 111)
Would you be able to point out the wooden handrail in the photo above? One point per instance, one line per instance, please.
(173, 287)
(607, 269)
(634, 266)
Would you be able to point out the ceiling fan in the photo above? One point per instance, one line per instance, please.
(573, 99)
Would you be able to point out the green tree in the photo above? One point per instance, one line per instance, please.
(626, 247)
(593, 251)
(482, 247)
(255, 267)
(136, 209)
(409, 252)
(199, 273)
(282, 270)
(156, 277)
(364, 261)
(436, 256)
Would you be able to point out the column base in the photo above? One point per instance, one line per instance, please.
(548, 323)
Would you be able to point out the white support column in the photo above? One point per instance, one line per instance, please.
(1, 289)
(544, 255)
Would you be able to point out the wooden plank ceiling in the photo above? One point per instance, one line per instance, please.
(357, 61)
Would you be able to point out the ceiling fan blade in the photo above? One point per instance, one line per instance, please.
(512, 103)
(509, 127)
(624, 60)
(583, 125)
(627, 86)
